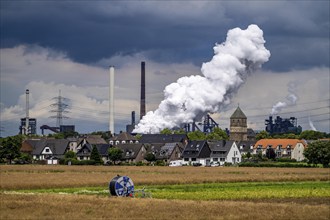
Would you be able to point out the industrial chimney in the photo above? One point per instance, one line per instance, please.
(27, 123)
(143, 91)
(111, 99)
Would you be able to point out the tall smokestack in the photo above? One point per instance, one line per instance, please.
(143, 91)
(111, 99)
(27, 112)
(133, 118)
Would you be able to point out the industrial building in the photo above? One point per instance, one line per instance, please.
(282, 126)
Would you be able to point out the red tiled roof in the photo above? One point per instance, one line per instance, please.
(275, 142)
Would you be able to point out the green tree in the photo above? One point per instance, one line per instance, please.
(196, 135)
(150, 157)
(25, 158)
(70, 155)
(217, 134)
(95, 155)
(248, 155)
(311, 135)
(262, 135)
(138, 136)
(106, 135)
(270, 153)
(166, 131)
(10, 148)
(318, 152)
(115, 154)
(180, 131)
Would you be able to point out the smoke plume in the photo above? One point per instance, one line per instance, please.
(192, 96)
(311, 125)
(291, 100)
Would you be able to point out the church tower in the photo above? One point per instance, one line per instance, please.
(238, 126)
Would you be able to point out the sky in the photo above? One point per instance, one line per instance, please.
(67, 46)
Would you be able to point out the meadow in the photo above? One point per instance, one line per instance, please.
(61, 192)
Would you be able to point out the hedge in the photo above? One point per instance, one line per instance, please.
(279, 164)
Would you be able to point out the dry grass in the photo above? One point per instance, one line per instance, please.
(57, 206)
(39, 176)
(54, 206)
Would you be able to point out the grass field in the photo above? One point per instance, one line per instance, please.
(81, 192)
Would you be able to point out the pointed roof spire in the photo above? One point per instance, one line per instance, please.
(238, 114)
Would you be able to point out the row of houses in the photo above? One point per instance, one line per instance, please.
(165, 147)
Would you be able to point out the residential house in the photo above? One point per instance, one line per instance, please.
(84, 152)
(166, 151)
(46, 149)
(103, 150)
(132, 153)
(73, 143)
(123, 138)
(170, 152)
(91, 140)
(245, 146)
(164, 138)
(28, 146)
(224, 152)
(197, 152)
(287, 148)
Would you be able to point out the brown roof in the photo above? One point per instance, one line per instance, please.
(95, 139)
(275, 142)
(124, 136)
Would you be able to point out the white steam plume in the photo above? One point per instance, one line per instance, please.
(191, 97)
(311, 124)
(291, 100)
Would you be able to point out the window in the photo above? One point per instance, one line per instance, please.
(186, 159)
(215, 159)
(47, 150)
(193, 159)
(259, 149)
(222, 159)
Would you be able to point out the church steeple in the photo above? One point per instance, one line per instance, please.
(238, 126)
(238, 114)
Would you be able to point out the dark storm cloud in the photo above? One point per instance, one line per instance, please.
(296, 32)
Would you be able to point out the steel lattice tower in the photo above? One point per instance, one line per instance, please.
(60, 109)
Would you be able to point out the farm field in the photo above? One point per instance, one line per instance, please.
(61, 192)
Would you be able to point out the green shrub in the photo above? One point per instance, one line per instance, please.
(140, 163)
(289, 160)
(274, 164)
(160, 163)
